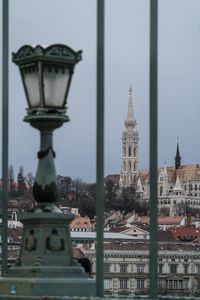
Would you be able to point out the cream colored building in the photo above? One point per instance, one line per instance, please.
(126, 268)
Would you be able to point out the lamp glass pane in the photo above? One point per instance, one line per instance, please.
(31, 82)
(55, 79)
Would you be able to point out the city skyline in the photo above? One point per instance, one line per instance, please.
(126, 63)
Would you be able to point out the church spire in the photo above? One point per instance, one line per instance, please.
(130, 116)
(177, 157)
(130, 145)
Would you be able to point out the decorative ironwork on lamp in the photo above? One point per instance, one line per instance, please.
(46, 266)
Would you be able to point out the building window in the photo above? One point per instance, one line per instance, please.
(161, 190)
(173, 269)
(160, 269)
(140, 283)
(107, 284)
(129, 151)
(124, 166)
(161, 283)
(175, 284)
(123, 283)
(198, 283)
(123, 268)
(185, 269)
(198, 269)
(181, 284)
(124, 151)
(140, 268)
(106, 268)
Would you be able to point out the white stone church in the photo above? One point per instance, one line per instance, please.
(178, 185)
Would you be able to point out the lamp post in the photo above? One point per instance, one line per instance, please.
(46, 266)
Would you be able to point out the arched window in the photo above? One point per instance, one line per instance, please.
(129, 151)
(195, 187)
(135, 151)
(124, 166)
(135, 166)
(124, 151)
(129, 165)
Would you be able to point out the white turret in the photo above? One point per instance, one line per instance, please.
(177, 190)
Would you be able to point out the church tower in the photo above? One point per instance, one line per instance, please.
(177, 158)
(130, 145)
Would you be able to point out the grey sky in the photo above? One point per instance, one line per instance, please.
(73, 22)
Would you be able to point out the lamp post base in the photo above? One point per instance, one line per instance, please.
(46, 266)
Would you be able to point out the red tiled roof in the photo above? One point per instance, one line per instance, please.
(185, 233)
(170, 220)
(80, 222)
(176, 220)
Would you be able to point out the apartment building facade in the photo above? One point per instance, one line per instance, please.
(126, 268)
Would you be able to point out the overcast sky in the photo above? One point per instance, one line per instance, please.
(73, 22)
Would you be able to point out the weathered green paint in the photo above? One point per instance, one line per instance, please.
(38, 58)
(46, 266)
(153, 150)
(58, 53)
(5, 64)
(100, 149)
(45, 188)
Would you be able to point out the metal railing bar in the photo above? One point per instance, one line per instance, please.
(153, 148)
(5, 74)
(100, 150)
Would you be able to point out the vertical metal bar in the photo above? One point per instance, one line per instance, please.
(153, 149)
(100, 150)
(5, 54)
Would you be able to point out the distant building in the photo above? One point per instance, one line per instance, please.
(81, 224)
(126, 268)
(178, 185)
(66, 209)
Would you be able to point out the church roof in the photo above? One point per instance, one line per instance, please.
(189, 172)
(184, 172)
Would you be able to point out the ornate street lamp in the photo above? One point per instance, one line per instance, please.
(46, 266)
(46, 75)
